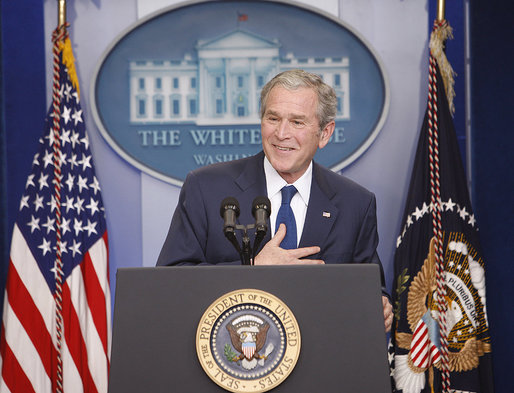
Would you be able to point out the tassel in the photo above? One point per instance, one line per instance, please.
(440, 34)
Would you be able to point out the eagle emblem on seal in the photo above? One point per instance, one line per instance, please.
(248, 335)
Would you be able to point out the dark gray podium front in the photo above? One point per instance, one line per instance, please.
(338, 309)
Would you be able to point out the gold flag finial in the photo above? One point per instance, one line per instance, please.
(61, 13)
(441, 5)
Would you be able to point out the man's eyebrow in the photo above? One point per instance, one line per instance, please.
(270, 112)
(297, 116)
(288, 116)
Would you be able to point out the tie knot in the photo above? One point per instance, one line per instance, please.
(288, 193)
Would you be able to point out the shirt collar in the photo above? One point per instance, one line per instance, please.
(274, 182)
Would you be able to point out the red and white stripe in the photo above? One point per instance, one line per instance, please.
(423, 352)
(28, 339)
(249, 350)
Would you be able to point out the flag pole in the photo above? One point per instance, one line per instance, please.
(58, 39)
(441, 5)
(61, 13)
(436, 55)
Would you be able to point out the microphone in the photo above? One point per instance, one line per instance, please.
(229, 211)
(261, 210)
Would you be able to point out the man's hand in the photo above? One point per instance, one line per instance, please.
(388, 313)
(272, 254)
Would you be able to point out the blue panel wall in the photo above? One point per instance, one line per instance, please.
(23, 106)
(3, 171)
(493, 175)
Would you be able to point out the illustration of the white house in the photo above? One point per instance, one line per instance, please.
(223, 85)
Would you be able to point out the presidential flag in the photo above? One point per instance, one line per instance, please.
(56, 318)
(440, 340)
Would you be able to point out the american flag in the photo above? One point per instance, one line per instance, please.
(242, 17)
(56, 324)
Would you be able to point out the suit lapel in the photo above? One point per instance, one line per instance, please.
(252, 176)
(321, 212)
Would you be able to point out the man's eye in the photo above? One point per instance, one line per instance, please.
(297, 123)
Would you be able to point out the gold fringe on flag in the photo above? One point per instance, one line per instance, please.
(69, 60)
(440, 34)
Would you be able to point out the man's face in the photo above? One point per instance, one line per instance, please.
(290, 131)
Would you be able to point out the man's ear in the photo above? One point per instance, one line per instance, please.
(326, 133)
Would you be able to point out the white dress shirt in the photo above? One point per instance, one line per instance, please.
(300, 201)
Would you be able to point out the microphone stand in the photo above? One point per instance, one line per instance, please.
(229, 211)
(246, 249)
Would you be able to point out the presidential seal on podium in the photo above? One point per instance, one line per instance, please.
(248, 340)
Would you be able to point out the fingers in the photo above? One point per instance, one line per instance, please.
(296, 252)
(295, 256)
(388, 323)
(303, 252)
(279, 235)
(388, 313)
(273, 254)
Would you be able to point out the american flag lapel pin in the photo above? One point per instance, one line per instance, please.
(326, 214)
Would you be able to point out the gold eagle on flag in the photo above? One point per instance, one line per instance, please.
(422, 315)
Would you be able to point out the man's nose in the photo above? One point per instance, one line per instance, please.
(283, 130)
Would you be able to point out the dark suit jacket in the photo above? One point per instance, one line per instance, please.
(340, 219)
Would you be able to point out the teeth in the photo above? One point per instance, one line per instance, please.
(284, 148)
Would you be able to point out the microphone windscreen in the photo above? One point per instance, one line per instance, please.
(261, 202)
(229, 203)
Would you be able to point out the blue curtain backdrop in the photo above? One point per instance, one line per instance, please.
(493, 178)
(23, 107)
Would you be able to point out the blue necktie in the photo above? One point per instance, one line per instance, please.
(285, 215)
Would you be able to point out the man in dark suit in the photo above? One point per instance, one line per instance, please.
(333, 219)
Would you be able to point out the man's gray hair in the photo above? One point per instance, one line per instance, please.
(295, 79)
